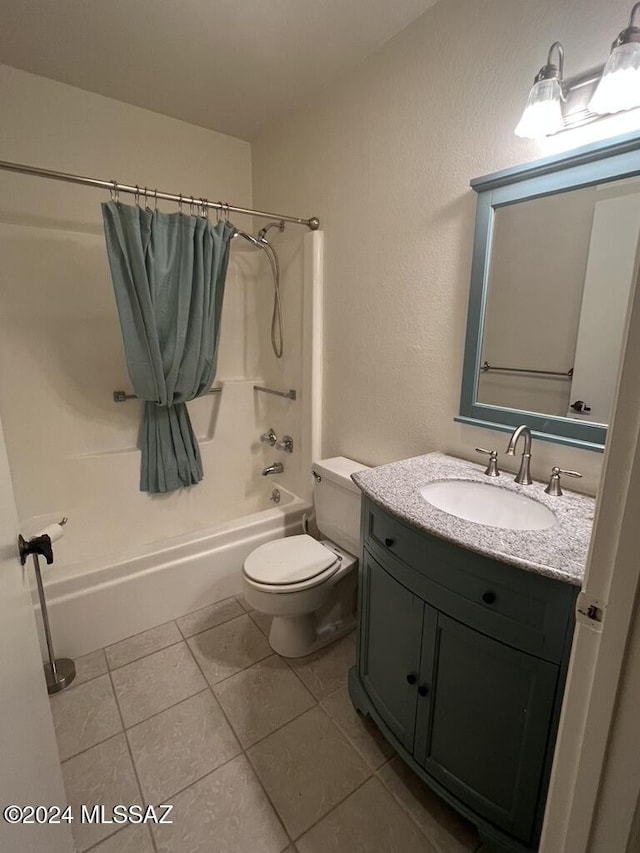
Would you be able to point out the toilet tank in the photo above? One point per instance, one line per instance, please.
(337, 501)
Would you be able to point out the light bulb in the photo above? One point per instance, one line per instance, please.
(543, 114)
(619, 87)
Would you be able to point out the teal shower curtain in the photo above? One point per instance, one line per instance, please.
(168, 273)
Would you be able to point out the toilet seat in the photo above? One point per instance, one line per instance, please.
(290, 564)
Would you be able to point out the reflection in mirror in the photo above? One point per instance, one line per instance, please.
(560, 272)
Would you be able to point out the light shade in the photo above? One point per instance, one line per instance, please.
(619, 88)
(543, 114)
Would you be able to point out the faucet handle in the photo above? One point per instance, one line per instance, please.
(285, 444)
(492, 468)
(554, 482)
(269, 437)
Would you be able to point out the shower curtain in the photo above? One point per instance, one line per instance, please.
(168, 273)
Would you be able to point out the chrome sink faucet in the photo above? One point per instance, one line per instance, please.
(524, 475)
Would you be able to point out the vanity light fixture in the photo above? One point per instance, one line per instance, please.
(557, 104)
(619, 87)
(543, 114)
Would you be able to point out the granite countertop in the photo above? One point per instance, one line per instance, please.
(558, 552)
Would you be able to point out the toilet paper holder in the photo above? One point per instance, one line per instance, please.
(59, 672)
(41, 543)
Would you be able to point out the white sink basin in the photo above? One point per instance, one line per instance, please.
(488, 504)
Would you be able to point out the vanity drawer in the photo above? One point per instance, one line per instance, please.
(392, 536)
(528, 611)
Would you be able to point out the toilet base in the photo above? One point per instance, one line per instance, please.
(306, 620)
(294, 636)
(297, 636)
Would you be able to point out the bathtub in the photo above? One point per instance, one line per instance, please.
(94, 604)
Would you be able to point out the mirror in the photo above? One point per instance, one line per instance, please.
(555, 260)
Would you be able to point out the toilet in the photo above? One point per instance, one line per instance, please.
(307, 585)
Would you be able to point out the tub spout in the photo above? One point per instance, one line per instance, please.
(276, 468)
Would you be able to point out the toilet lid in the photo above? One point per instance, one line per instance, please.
(289, 561)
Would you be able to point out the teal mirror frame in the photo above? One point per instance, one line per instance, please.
(612, 159)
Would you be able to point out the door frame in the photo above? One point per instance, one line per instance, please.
(589, 770)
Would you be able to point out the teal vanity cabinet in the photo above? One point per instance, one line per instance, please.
(462, 662)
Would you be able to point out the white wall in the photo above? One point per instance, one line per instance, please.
(384, 158)
(72, 449)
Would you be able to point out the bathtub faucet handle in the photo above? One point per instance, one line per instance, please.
(269, 437)
(285, 444)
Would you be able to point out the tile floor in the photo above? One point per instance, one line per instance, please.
(256, 753)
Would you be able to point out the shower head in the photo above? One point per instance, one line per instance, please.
(263, 231)
(261, 242)
(248, 237)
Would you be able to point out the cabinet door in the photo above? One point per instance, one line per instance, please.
(390, 638)
(483, 719)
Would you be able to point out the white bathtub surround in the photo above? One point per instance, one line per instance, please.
(74, 453)
(313, 351)
(96, 603)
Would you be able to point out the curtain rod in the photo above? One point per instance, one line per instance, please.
(313, 223)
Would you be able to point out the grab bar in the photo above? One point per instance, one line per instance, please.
(567, 374)
(289, 395)
(121, 396)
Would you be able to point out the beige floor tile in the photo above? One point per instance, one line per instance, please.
(209, 617)
(242, 601)
(143, 644)
(307, 767)
(262, 620)
(133, 839)
(361, 731)
(369, 820)
(85, 715)
(262, 698)
(179, 746)
(156, 682)
(90, 666)
(226, 812)
(325, 671)
(103, 775)
(226, 649)
(448, 831)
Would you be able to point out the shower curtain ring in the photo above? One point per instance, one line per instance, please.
(180, 204)
(146, 205)
(115, 192)
(218, 211)
(205, 208)
(155, 197)
(136, 197)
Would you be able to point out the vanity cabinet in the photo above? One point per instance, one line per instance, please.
(462, 662)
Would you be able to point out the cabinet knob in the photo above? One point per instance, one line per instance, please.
(389, 541)
(423, 690)
(489, 597)
(412, 678)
